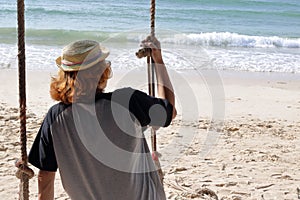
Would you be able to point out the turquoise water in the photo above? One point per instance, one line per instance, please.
(236, 34)
(251, 17)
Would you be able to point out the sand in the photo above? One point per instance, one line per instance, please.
(236, 133)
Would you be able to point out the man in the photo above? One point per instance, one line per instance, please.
(95, 138)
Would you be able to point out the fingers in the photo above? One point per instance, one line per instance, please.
(151, 42)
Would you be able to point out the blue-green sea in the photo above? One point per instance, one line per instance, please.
(242, 35)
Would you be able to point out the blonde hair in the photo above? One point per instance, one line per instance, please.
(70, 86)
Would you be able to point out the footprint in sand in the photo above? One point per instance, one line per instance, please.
(281, 82)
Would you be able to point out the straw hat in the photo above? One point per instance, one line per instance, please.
(81, 55)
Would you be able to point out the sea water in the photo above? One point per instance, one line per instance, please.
(242, 35)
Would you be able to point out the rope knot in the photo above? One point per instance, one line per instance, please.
(23, 170)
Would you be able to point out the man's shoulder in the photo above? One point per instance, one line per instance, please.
(55, 110)
(130, 91)
(124, 89)
(128, 94)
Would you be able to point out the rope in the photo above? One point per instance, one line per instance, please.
(24, 173)
(151, 70)
(146, 52)
(151, 89)
(22, 92)
(152, 16)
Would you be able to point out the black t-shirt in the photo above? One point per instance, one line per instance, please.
(68, 140)
(145, 109)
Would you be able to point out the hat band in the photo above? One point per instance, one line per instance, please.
(68, 64)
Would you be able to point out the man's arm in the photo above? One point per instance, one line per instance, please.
(164, 85)
(46, 185)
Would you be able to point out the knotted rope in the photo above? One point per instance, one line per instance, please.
(24, 173)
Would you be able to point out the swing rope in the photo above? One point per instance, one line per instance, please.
(146, 52)
(151, 85)
(151, 90)
(24, 173)
(151, 70)
(152, 17)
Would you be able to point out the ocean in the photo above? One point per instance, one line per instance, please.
(238, 35)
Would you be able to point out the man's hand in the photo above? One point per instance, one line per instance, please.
(152, 43)
(164, 85)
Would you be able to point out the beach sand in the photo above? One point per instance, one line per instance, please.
(252, 150)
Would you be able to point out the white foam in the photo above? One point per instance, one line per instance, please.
(37, 57)
(177, 57)
(8, 56)
(256, 61)
(226, 39)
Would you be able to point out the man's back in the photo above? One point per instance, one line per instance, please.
(101, 152)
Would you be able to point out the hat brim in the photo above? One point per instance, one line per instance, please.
(84, 65)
